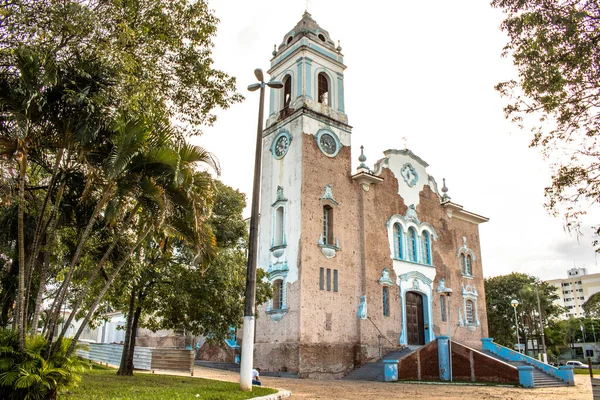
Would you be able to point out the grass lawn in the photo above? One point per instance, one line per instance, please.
(581, 371)
(102, 383)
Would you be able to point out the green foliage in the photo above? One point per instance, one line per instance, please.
(501, 290)
(99, 384)
(28, 375)
(555, 47)
(592, 306)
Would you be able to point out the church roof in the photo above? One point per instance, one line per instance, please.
(307, 27)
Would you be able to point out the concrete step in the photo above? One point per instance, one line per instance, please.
(540, 378)
(373, 371)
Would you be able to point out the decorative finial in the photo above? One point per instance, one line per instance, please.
(274, 50)
(362, 158)
(306, 10)
(339, 48)
(404, 140)
(445, 196)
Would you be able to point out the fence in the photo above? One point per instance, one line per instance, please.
(144, 358)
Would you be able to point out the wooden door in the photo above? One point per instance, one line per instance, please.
(414, 318)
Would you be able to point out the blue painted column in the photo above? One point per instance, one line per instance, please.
(299, 80)
(308, 77)
(444, 357)
(526, 376)
(340, 92)
(390, 370)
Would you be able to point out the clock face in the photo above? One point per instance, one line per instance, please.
(281, 146)
(328, 143)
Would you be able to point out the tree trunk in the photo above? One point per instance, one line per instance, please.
(96, 272)
(62, 293)
(134, 326)
(21, 312)
(112, 277)
(123, 370)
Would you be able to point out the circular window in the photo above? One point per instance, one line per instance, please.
(289, 40)
(322, 37)
(281, 144)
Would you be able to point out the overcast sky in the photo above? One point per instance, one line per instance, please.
(425, 71)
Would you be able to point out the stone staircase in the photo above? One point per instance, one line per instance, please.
(373, 371)
(540, 378)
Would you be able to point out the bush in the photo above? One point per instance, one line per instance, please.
(29, 375)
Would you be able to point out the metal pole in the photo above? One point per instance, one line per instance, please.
(517, 330)
(248, 330)
(544, 354)
(449, 338)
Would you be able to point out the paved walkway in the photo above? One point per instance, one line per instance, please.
(354, 390)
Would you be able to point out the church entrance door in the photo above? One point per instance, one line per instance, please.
(415, 329)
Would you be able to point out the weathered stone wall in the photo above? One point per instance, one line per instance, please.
(211, 352)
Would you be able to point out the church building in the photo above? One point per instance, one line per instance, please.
(362, 261)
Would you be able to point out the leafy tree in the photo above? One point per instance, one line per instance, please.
(85, 89)
(592, 306)
(501, 290)
(555, 47)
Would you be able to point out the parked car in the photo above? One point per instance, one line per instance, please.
(577, 364)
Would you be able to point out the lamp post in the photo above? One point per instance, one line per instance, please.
(544, 354)
(248, 330)
(515, 303)
(448, 292)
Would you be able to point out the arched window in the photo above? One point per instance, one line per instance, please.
(278, 294)
(426, 248)
(386, 301)
(328, 225)
(323, 88)
(463, 263)
(468, 269)
(287, 91)
(469, 313)
(398, 247)
(412, 244)
(278, 236)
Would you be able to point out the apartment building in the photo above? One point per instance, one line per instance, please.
(574, 291)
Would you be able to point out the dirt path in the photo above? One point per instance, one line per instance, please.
(355, 390)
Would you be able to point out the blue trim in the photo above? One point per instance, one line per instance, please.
(398, 242)
(444, 357)
(321, 50)
(563, 373)
(308, 63)
(287, 53)
(340, 90)
(390, 370)
(426, 242)
(299, 80)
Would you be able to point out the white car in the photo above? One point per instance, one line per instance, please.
(577, 364)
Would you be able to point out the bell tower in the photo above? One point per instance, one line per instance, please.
(306, 164)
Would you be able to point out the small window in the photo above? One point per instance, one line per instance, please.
(322, 37)
(589, 353)
(443, 310)
(469, 311)
(328, 225)
(328, 279)
(323, 88)
(386, 301)
(335, 280)
(412, 244)
(278, 237)
(278, 294)
(463, 263)
(289, 40)
(426, 248)
(287, 91)
(322, 279)
(468, 269)
(398, 248)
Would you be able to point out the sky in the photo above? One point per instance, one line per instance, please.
(424, 71)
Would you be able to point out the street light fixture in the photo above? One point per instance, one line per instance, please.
(248, 330)
(515, 303)
(447, 292)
